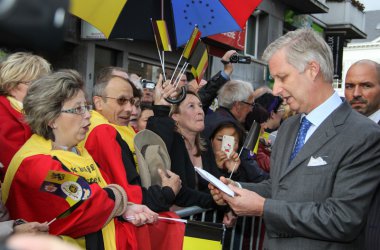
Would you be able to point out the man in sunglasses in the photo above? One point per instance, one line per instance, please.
(110, 140)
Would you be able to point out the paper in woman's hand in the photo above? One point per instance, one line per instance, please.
(214, 181)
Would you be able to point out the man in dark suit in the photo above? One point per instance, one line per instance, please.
(362, 91)
(325, 162)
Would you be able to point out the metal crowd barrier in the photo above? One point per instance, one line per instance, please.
(248, 232)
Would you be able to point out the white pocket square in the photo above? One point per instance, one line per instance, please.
(316, 162)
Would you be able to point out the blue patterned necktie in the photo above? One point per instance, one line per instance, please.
(305, 125)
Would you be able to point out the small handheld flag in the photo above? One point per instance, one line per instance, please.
(187, 52)
(250, 141)
(161, 35)
(199, 61)
(193, 41)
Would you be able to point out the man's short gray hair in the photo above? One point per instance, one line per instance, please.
(234, 91)
(301, 47)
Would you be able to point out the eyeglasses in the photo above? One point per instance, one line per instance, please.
(250, 104)
(122, 100)
(80, 110)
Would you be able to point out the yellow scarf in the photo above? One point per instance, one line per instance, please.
(126, 132)
(82, 165)
(16, 104)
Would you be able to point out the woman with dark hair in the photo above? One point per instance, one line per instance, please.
(268, 113)
(219, 128)
(58, 114)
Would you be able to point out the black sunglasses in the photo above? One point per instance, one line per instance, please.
(250, 104)
(122, 100)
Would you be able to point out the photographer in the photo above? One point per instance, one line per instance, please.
(210, 91)
(148, 91)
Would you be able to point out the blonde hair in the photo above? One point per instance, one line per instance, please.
(21, 67)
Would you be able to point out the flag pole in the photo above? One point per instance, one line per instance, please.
(180, 74)
(252, 137)
(233, 169)
(159, 52)
(176, 67)
(52, 221)
(182, 55)
(130, 218)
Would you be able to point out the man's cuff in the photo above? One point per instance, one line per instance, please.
(224, 75)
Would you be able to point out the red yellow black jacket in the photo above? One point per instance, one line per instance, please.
(13, 132)
(86, 224)
(113, 156)
(112, 148)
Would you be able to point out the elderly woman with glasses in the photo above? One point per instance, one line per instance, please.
(16, 73)
(58, 114)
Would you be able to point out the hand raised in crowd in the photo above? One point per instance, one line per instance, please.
(32, 227)
(171, 180)
(163, 90)
(225, 163)
(217, 194)
(139, 215)
(228, 68)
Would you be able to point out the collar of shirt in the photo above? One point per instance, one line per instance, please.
(320, 113)
(375, 116)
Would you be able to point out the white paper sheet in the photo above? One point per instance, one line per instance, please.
(214, 181)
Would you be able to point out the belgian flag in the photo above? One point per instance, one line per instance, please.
(203, 235)
(192, 43)
(161, 35)
(199, 61)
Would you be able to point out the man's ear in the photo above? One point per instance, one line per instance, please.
(98, 103)
(235, 109)
(313, 69)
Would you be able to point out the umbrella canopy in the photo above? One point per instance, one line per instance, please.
(131, 18)
(99, 13)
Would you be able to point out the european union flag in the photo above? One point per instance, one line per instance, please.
(210, 16)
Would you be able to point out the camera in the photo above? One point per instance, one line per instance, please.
(236, 58)
(146, 84)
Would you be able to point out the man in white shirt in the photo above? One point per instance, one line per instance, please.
(362, 88)
(362, 91)
(325, 162)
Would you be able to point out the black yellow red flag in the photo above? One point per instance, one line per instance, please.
(191, 44)
(199, 61)
(161, 35)
(203, 235)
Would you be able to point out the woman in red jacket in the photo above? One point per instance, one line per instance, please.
(16, 74)
(58, 114)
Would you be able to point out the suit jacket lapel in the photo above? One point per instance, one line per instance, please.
(325, 132)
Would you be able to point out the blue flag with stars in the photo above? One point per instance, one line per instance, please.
(210, 16)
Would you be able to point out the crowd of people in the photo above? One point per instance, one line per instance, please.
(314, 176)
